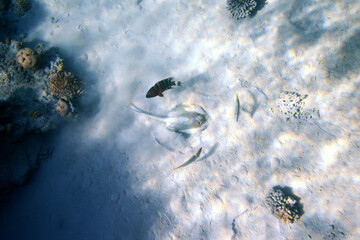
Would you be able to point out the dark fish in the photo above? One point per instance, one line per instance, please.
(192, 159)
(237, 108)
(161, 86)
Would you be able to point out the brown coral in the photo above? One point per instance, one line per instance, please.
(28, 58)
(284, 205)
(64, 85)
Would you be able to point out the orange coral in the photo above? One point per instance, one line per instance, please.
(27, 57)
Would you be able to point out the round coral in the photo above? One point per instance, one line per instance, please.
(28, 58)
(62, 108)
(241, 8)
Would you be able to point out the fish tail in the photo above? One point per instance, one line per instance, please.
(134, 108)
(171, 82)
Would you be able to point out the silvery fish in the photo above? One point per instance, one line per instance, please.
(237, 108)
(183, 118)
(192, 159)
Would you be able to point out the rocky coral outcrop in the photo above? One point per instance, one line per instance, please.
(284, 205)
(29, 107)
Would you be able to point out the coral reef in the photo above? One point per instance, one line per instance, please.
(64, 85)
(28, 58)
(27, 110)
(26, 91)
(284, 205)
(12, 75)
(292, 106)
(241, 8)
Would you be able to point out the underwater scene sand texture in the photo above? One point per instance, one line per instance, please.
(294, 66)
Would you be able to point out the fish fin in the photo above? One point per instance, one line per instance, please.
(161, 95)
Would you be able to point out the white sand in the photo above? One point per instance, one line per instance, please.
(110, 179)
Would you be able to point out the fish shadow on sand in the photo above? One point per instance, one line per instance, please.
(254, 107)
(259, 5)
(346, 60)
(209, 153)
(192, 84)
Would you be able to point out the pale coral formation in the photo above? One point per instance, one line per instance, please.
(64, 85)
(62, 108)
(28, 58)
(241, 8)
(284, 206)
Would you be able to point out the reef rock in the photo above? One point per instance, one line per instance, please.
(284, 205)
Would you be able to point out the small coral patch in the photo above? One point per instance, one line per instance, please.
(63, 108)
(292, 106)
(28, 58)
(284, 205)
(64, 85)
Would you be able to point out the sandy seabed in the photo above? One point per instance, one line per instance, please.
(111, 173)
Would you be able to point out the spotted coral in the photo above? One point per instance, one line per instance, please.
(64, 85)
(241, 8)
(284, 205)
(292, 106)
